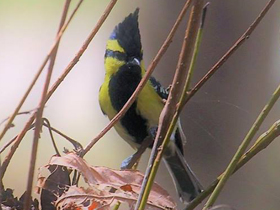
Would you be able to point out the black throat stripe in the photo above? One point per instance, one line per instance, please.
(121, 56)
(121, 87)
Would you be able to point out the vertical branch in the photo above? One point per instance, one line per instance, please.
(170, 107)
(192, 64)
(39, 114)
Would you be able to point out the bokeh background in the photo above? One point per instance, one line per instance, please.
(215, 120)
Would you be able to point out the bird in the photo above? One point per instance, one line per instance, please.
(124, 69)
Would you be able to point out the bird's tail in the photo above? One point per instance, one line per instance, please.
(186, 183)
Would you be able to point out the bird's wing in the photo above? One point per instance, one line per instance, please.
(180, 138)
(161, 91)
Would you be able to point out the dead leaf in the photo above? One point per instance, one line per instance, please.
(107, 187)
(53, 186)
(127, 188)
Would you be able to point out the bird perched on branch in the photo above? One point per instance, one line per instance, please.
(124, 69)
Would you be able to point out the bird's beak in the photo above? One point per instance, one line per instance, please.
(134, 62)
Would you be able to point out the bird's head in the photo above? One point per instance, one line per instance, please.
(124, 45)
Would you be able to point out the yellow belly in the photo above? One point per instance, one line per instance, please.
(149, 106)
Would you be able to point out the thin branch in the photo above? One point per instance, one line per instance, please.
(5, 146)
(192, 65)
(58, 82)
(262, 142)
(136, 156)
(31, 119)
(62, 30)
(231, 167)
(239, 42)
(170, 108)
(142, 83)
(236, 45)
(48, 124)
(84, 47)
(39, 114)
(76, 144)
(241, 149)
(19, 113)
(18, 139)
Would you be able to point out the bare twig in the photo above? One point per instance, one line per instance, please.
(84, 47)
(19, 113)
(39, 114)
(236, 45)
(7, 144)
(48, 124)
(255, 127)
(62, 30)
(196, 49)
(262, 142)
(31, 119)
(76, 144)
(142, 83)
(170, 107)
(136, 156)
(58, 82)
(241, 149)
(239, 42)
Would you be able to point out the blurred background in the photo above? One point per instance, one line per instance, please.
(215, 120)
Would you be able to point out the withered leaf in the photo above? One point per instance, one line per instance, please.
(107, 186)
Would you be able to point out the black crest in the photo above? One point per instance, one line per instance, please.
(128, 35)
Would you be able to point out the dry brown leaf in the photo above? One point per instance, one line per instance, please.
(81, 198)
(107, 186)
(127, 188)
(53, 185)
